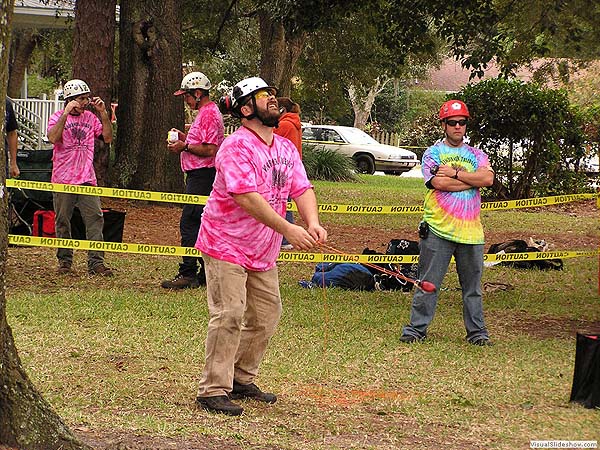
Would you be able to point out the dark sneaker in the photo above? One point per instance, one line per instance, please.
(410, 339)
(219, 404)
(64, 268)
(101, 269)
(181, 282)
(251, 391)
(481, 342)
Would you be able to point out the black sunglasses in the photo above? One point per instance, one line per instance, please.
(453, 123)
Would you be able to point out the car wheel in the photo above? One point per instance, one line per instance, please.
(365, 164)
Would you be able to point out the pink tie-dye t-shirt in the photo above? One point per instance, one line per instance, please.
(454, 215)
(244, 164)
(207, 129)
(73, 157)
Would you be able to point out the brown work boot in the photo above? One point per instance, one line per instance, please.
(101, 269)
(251, 391)
(181, 282)
(64, 268)
(219, 404)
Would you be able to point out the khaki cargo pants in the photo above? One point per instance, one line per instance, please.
(244, 310)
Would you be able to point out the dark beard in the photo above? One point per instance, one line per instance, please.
(269, 119)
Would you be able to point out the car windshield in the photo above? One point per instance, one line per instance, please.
(356, 136)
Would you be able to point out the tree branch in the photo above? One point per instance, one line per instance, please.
(226, 17)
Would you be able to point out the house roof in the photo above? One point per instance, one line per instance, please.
(45, 13)
(452, 77)
(37, 14)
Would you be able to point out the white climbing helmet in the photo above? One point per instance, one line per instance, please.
(246, 87)
(74, 88)
(193, 80)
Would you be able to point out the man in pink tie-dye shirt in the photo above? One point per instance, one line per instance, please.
(72, 130)
(196, 150)
(240, 238)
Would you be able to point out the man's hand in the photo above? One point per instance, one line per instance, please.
(446, 171)
(176, 146)
(98, 103)
(14, 171)
(303, 239)
(71, 106)
(318, 233)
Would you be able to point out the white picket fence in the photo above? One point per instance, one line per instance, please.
(385, 137)
(32, 115)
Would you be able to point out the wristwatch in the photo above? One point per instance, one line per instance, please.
(186, 148)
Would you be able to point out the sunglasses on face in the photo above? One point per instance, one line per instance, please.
(453, 123)
(264, 93)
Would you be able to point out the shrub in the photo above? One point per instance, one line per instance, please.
(324, 164)
(532, 135)
(425, 131)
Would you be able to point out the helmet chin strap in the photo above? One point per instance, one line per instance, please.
(255, 114)
(198, 100)
(254, 108)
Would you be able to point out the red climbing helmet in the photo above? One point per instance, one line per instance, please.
(454, 108)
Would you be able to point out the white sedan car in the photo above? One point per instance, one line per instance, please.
(368, 154)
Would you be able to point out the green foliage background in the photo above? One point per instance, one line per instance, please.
(534, 137)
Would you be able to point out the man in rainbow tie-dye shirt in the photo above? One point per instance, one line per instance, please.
(453, 172)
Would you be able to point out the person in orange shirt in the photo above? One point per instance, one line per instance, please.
(289, 123)
(289, 127)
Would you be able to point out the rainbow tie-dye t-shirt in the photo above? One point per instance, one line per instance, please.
(454, 215)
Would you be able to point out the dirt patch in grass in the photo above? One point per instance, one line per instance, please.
(544, 327)
(115, 440)
(323, 396)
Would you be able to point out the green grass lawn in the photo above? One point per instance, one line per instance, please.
(122, 354)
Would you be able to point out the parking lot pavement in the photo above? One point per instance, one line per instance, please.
(415, 172)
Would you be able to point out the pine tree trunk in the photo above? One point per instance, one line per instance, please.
(279, 53)
(27, 421)
(24, 42)
(272, 48)
(150, 71)
(93, 55)
(294, 47)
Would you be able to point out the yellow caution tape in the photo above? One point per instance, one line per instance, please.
(117, 247)
(534, 202)
(107, 192)
(291, 206)
(557, 254)
(168, 250)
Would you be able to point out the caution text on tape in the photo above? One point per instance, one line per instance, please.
(168, 250)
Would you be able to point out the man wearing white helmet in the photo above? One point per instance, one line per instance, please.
(197, 150)
(240, 238)
(72, 130)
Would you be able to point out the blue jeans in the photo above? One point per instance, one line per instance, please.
(289, 216)
(434, 258)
